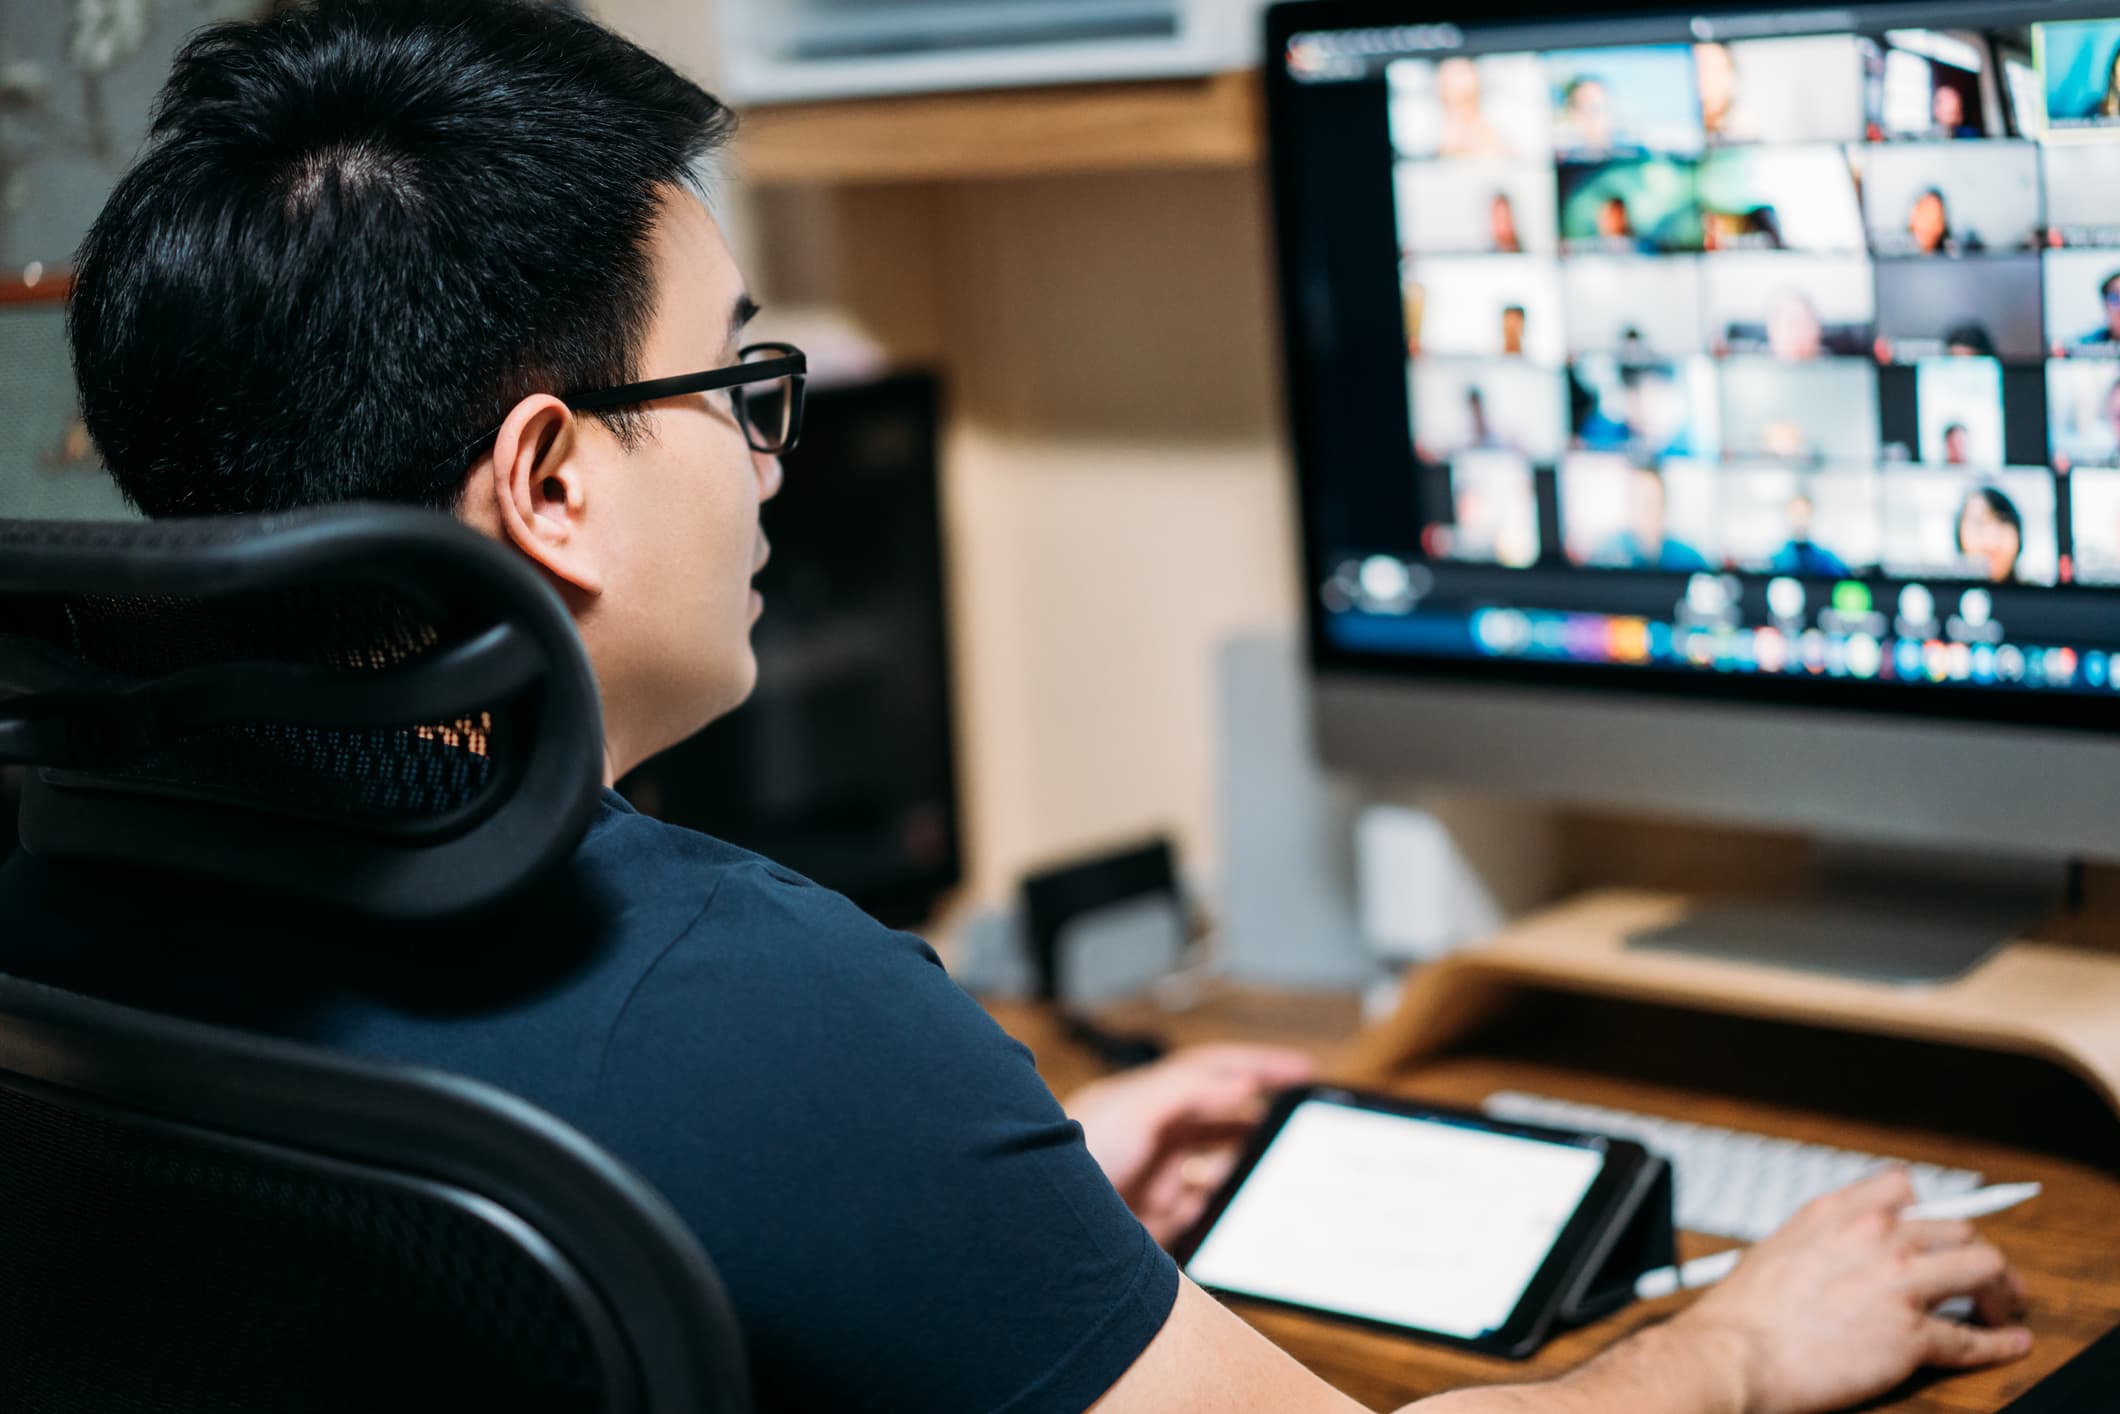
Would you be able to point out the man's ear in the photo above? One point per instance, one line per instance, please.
(534, 492)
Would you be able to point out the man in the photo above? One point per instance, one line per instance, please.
(1467, 132)
(1800, 554)
(1795, 333)
(1947, 107)
(1647, 543)
(1929, 223)
(372, 249)
(1503, 236)
(2106, 335)
(1715, 76)
(1615, 224)
(1586, 116)
(1513, 319)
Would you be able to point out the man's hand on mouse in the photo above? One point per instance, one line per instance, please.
(1837, 1307)
(1166, 1135)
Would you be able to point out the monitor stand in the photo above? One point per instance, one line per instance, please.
(1877, 915)
(2049, 990)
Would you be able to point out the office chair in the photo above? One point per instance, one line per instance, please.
(374, 710)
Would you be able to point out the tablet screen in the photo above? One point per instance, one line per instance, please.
(1410, 1221)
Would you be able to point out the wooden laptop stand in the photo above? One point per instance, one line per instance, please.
(2056, 998)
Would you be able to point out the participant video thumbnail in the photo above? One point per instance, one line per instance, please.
(2082, 193)
(1494, 511)
(1984, 307)
(1477, 208)
(1620, 100)
(1493, 107)
(1959, 406)
(1505, 305)
(1820, 411)
(1928, 199)
(1932, 88)
(2080, 63)
(1807, 89)
(2083, 303)
(1998, 527)
(1654, 410)
(1639, 307)
(2083, 412)
(2094, 497)
(1637, 205)
(1780, 198)
(1815, 524)
(1496, 405)
(1619, 512)
(1794, 307)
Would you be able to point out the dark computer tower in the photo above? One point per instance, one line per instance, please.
(841, 766)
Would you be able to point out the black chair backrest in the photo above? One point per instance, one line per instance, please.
(194, 1221)
(371, 707)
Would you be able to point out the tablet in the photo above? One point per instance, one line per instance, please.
(1439, 1223)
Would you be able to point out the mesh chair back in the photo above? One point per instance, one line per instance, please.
(195, 1221)
(368, 706)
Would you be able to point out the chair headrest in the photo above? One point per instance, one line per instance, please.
(371, 707)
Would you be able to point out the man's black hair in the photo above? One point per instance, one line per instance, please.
(1970, 335)
(2110, 281)
(360, 232)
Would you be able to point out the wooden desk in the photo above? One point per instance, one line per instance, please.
(2008, 1117)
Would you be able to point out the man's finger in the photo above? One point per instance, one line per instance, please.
(1887, 1188)
(1960, 1271)
(1274, 1065)
(2002, 1303)
(1925, 1235)
(1213, 1099)
(1954, 1347)
(1202, 1172)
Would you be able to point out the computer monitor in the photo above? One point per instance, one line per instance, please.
(1714, 411)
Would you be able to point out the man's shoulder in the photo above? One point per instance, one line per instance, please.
(708, 893)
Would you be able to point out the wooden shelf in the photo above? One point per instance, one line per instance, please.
(1160, 125)
(2056, 999)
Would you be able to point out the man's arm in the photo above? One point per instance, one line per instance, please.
(1832, 1310)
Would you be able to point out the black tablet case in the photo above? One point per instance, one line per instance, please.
(1639, 1235)
(2085, 1385)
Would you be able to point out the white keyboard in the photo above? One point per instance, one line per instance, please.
(1728, 1183)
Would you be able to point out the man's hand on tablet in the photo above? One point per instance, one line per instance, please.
(1165, 1135)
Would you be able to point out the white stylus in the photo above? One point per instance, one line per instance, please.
(1706, 1271)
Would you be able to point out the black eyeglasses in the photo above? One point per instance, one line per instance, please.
(766, 386)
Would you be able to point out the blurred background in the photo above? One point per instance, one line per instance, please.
(1052, 216)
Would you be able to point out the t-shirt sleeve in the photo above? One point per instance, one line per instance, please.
(903, 1215)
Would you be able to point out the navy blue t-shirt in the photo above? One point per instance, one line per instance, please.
(903, 1215)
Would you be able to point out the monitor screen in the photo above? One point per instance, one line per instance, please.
(1763, 354)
